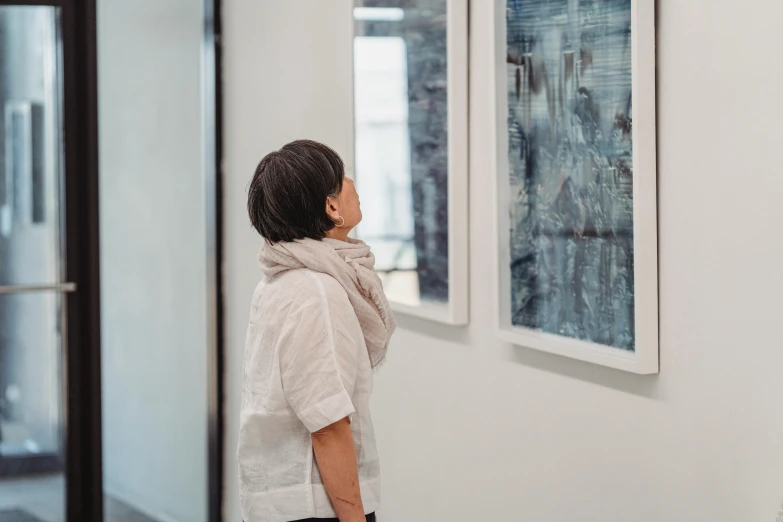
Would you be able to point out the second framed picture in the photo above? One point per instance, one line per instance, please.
(575, 93)
(410, 137)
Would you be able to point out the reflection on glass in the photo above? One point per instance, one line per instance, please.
(31, 341)
(30, 385)
(401, 122)
(383, 159)
(29, 146)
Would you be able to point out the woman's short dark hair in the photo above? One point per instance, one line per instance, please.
(287, 196)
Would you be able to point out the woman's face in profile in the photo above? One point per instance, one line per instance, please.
(346, 206)
(351, 206)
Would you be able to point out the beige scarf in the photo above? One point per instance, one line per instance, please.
(352, 264)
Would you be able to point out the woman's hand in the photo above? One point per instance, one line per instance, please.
(335, 454)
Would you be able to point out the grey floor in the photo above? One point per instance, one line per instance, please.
(44, 498)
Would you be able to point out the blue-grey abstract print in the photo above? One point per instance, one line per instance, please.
(571, 168)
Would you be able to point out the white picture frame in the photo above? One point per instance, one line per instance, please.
(455, 311)
(644, 359)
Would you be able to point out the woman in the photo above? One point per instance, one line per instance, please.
(319, 324)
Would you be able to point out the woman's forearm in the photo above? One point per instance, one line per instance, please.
(335, 454)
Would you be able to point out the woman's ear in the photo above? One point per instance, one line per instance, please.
(332, 209)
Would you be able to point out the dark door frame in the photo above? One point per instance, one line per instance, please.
(213, 141)
(82, 362)
(83, 448)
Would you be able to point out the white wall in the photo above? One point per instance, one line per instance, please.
(470, 428)
(153, 256)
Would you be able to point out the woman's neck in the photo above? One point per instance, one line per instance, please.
(338, 233)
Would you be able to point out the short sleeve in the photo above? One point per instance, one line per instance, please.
(317, 355)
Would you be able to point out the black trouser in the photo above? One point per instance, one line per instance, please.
(370, 518)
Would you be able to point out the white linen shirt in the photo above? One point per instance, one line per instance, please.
(306, 366)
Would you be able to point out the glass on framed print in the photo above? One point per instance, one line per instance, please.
(410, 125)
(578, 204)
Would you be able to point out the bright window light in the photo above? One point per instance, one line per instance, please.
(378, 14)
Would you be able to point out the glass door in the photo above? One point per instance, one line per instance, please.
(133, 298)
(32, 283)
(49, 313)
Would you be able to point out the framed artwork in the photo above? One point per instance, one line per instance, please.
(410, 136)
(577, 189)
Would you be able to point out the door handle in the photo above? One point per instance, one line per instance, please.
(18, 289)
